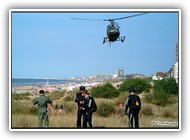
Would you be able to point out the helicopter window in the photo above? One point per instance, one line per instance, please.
(113, 27)
(116, 25)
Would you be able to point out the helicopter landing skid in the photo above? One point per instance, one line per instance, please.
(106, 39)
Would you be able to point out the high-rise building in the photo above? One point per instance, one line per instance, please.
(177, 52)
(176, 65)
(175, 68)
(120, 73)
(173, 72)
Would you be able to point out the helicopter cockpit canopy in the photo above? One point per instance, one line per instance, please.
(113, 27)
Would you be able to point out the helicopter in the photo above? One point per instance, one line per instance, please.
(113, 29)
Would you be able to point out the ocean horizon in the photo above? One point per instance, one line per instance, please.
(40, 81)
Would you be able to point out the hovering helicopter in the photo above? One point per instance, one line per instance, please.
(113, 33)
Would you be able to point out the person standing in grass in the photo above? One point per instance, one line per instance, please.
(79, 99)
(42, 102)
(90, 107)
(133, 102)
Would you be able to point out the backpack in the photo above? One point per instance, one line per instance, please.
(134, 102)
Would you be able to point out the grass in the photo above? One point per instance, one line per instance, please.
(69, 121)
(24, 114)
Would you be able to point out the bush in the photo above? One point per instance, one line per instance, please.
(161, 97)
(164, 92)
(105, 109)
(149, 97)
(147, 111)
(168, 86)
(104, 91)
(139, 84)
(158, 98)
(168, 113)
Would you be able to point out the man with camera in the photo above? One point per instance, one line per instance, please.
(79, 99)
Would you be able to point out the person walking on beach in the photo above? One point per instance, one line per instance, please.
(90, 107)
(79, 99)
(42, 102)
(133, 102)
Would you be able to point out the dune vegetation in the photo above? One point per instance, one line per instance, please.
(110, 112)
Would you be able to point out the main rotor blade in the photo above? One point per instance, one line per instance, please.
(109, 19)
(86, 19)
(128, 16)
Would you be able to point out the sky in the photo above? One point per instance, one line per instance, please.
(51, 44)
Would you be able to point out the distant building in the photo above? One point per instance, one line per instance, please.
(129, 76)
(52, 88)
(101, 77)
(115, 76)
(120, 72)
(176, 65)
(173, 72)
(160, 76)
(177, 53)
(154, 77)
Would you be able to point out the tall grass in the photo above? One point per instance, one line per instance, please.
(69, 121)
(24, 113)
(24, 96)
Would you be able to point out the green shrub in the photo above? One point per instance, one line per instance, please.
(169, 86)
(160, 97)
(105, 109)
(139, 84)
(104, 91)
(149, 97)
(164, 92)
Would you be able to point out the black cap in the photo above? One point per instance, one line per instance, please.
(82, 87)
(41, 92)
(132, 89)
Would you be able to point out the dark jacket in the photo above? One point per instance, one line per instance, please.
(90, 104)
(79, 97)
(133, 102)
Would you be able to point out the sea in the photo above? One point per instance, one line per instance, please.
(34, 81)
